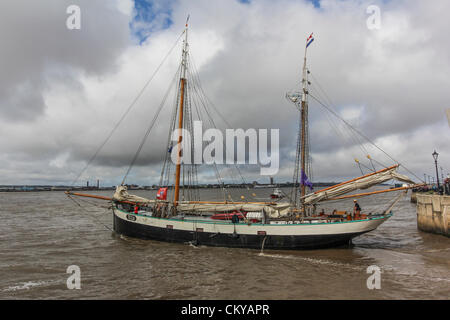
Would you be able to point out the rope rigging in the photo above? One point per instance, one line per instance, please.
(194, 95)
(90, 215)
(202, 103)
(355, 132)
(150, 127)
(206, 101)
(361, 134)
(127, 111)
(345, 134)
(347, 130)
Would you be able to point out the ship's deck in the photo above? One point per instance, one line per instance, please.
(330, 219)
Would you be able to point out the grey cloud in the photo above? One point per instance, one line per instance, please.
(35, 40)
(397, 75)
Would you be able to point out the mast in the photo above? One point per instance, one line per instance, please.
(181, 113)
(304, 133)
(304, 107)
(301, 156)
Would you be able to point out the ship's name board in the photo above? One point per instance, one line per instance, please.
(131, 217)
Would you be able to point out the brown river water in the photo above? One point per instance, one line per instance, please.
(43, 233)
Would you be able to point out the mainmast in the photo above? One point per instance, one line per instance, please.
(181, 113)
(304, 119)
(301, 160)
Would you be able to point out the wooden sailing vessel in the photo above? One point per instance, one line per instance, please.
(293, 224)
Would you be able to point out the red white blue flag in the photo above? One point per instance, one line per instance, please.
(309, 40)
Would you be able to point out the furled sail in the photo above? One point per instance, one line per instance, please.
(122, 194)
(355, 184)
(272, 210)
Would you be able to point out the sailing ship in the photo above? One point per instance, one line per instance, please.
(293, 224)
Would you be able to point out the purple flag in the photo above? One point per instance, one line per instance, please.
(305, 181)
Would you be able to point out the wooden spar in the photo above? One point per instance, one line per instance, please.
(304, 108)
(189, 202)
(373, 192)
(180, 122)
(228, 202)
(180, 138)
(88, 195)
(356, 179)
(303, 150)
(96, 197)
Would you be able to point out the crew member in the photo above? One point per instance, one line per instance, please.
(235, 218)
(356, 209)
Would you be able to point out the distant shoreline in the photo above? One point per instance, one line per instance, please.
(38, 188)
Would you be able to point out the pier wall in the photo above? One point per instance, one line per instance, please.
(433, 214)
(413, 197)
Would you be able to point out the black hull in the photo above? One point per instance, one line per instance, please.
(137, 230)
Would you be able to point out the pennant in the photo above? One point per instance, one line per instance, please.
(309, 40)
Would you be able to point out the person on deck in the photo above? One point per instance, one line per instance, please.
(356, 209)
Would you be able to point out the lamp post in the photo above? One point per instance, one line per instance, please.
(435, 156)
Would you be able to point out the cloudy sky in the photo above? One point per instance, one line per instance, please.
(63, 90)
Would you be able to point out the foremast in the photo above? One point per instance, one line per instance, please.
(181, 114)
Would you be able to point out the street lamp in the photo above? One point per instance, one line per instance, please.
(435, 156)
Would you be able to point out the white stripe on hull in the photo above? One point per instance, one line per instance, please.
(335, 228)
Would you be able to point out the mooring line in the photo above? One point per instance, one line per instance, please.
(90, 216)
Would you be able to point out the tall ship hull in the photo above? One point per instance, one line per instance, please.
(287, 235)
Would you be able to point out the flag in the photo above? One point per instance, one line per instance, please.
(305, 181)
(309, 40)
(161, 194)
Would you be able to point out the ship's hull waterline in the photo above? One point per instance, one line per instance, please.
(242, 235)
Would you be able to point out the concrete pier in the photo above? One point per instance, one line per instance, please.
(433, 213)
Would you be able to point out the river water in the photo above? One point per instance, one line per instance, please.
(43, 233)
